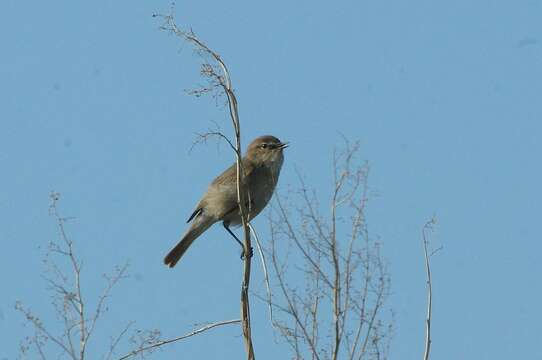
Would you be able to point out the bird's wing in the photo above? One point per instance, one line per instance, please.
(224, 187)
(194, 214)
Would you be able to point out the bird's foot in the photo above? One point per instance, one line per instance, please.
(251, 253)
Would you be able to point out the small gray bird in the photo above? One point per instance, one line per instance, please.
(261, 163)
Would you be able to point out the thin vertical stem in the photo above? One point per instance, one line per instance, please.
(224, 81)
(428, 227)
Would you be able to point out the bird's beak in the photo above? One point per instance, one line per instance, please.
(284, 145)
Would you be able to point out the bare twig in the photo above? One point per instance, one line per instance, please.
(265, 273)
(339, 313)
(65, 283)
(115, 341)
(428, 228)
(190, 334)
(219, 77)
(41, 329)
(212, 133)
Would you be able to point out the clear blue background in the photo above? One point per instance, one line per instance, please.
(444, 96)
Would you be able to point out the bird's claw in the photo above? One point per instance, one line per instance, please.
(251, 253)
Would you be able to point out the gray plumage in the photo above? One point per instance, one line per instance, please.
(261, 163)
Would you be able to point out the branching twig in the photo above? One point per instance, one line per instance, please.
(115, 341)
(219, 77)
(65, 284)
(217, 133)
(190, 334)
(339, 313)
(428, 228)
(265, 273)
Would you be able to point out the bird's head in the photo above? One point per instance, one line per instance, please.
(266, 149)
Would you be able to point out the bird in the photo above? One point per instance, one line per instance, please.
(261, 164)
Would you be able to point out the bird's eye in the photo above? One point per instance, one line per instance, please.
(263, 146)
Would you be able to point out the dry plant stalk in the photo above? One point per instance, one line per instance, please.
(63, 276)
(159, 343)
(78, 323)
(340, 312)
(217, 73)
(427, 229)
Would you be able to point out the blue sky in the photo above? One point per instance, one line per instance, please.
(445, 98)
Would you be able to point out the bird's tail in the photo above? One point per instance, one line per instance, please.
(200, 224)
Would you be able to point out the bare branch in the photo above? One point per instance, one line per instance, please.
(115, 341)
(292, 234)
(215, 132)
(64, 282)
(202, 138)
(190, 334)
(427, 229)
(112, 281)
(339, 313)
(219, 77)
(41, 329)
(265, 273)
